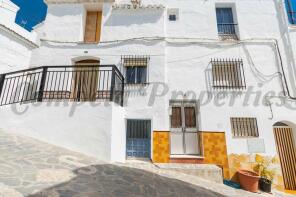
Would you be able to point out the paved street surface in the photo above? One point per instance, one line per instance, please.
(32, 168)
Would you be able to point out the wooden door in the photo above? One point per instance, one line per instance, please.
(85, 80)
(287, 154)
(93, 26)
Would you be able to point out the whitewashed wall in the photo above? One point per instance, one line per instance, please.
(182, 63)
(16, 42)
(82, 127)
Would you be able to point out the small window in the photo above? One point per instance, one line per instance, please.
(244, 127)
(291, 11)
(173, 14)
(172, 17)
(136, 71)
(225, 23)
(93, 27)
(228, 74)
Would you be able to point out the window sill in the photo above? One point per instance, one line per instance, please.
(220, 88)
(89, 43)
(228, 37)
(186, 157)
(292, 26)
(245, 137)
(136, 84)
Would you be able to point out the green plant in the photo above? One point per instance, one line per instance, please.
(262, 167)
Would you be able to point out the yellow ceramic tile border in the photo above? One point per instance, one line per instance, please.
(214, 149)
(161, 147)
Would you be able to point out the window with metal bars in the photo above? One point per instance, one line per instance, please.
(228, 74)
(291, 11)
(244, 127)
(227, 28)
(135, 69)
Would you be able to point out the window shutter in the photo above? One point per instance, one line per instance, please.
(190, 118)
(93, 27)
(176, 118)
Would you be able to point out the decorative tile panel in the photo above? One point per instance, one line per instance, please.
(161, 147)
(215, 150)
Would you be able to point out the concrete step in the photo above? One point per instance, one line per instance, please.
(206, 171)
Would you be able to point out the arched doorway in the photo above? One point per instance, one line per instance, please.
(85, 80)
(286, 148)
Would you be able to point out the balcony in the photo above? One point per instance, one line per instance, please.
(83, 83)
(227, 31)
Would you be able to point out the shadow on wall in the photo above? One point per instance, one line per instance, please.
(112, 180)
(133, 17)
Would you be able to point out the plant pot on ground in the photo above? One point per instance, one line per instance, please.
(248, 180)
(262, 167)
(265, 185)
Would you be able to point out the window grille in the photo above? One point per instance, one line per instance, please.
(244, 127)
(228, 74)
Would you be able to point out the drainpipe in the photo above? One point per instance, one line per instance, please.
(283, 71)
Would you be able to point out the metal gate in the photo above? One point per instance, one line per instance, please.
(138, 139)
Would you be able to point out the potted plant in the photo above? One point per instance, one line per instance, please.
(262, 167)
(248, 180)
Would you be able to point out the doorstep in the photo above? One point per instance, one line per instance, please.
(209, 172)
(137, 160)
(186, 157)
(189, 159)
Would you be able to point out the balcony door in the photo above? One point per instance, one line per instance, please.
(184, 138)
(225, 21)
(85, 80)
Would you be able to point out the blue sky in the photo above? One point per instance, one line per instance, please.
(31, 12)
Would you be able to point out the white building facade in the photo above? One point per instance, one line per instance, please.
(16, 43)
(204, 82)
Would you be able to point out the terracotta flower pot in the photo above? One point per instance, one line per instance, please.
(248, 180)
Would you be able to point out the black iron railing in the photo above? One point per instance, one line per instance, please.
(62, 83)
(226, 29)
(228, 74)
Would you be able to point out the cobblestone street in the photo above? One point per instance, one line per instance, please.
(33, 168)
